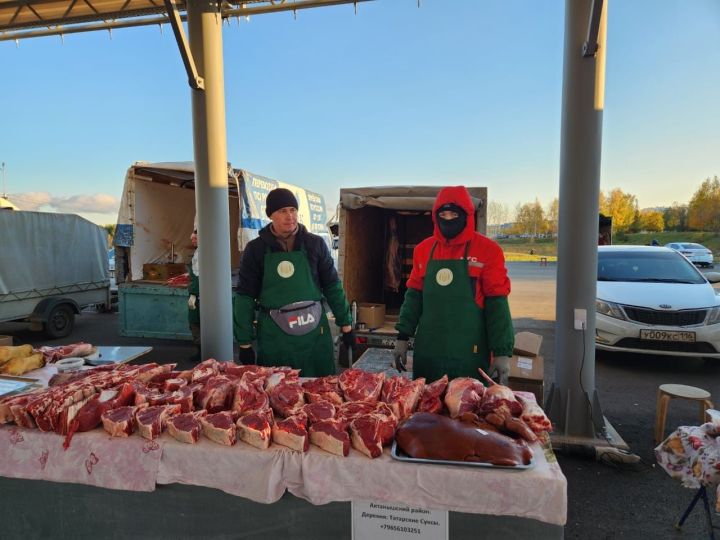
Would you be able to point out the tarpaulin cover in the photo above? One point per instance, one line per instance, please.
(44, 250)
(396, 198)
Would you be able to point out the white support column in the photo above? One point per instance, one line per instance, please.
(572, 402)
(211, 180)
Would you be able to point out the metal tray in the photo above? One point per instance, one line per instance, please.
(13, 386)
(398, 454)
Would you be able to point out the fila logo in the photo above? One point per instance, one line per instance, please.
(300, 320)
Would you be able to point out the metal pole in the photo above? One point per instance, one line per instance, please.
(211, 180)
(573, 403)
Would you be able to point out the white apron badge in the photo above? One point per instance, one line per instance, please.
(285, 269)
(444, 277)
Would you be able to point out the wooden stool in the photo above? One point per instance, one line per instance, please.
(666, 392)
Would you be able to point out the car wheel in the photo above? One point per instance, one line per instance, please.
(60, 322)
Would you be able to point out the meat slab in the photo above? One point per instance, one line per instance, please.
(358, 385)
(219, 428)
(256, 428)
(431, 436)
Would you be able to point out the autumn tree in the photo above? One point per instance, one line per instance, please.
(676, 217)
(704, 206)
(530, 218)
(551, 216)
(621, 206)
(498, 214)
(651, 221)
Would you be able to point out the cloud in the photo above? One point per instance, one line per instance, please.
(99, 203)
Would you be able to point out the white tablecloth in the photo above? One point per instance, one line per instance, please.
(136, 464)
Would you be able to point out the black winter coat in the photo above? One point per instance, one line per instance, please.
(253, 260)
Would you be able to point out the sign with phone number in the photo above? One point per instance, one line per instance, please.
(374, 521)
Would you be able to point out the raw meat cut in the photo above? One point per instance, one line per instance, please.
(388, 422)
(292, 432)
(321, 410)
(151, 422)
(186, 427)
(120, 422)
(215, 395)
(367, 434)
(287, 399)
(331, 436)
(499, 399)
(90, 415)
(249, 396)
(464, 394)
(351, 410)
(431, 436)
(402, 395)
(53, 354)
(322, 384)
(205, 370)
(332, 397)
(358, 385)
(256, 428)
(431, 397)
(219, 428)
(534, 416)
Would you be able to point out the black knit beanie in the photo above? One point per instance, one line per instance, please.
(279, 198)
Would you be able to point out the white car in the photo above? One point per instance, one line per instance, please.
(695, 253)
(652, 300)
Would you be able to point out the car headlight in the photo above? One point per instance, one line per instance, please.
(714, 316)
(610, 309)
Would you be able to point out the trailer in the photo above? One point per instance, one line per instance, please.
(51, 267)
(378, 229)
(152, 239)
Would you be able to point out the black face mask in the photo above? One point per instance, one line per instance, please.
(450, 228)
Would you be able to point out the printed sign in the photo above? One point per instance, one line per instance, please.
(383, 521)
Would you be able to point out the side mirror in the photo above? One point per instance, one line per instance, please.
(713, 277)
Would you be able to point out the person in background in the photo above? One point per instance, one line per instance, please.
(286, 273)
(194, 292)
(456, 304)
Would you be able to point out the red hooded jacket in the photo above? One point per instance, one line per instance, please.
(486, 260)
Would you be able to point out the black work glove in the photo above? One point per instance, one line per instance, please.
(348, 339)
(246, 355)
(400, 353)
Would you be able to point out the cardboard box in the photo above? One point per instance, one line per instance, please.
(372, 315)
(527, 367)
(526, 362)
(6, 341)
(527, 344)
(527, 385)
(163, 272)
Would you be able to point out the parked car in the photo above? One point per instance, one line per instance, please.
(652, 300)
(695, 253)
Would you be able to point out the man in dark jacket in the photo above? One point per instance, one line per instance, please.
(285, 274)
(456, 304)
(194, 295)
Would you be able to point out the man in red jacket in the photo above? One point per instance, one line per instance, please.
(456, 302)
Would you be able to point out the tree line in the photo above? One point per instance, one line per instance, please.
(701, 213)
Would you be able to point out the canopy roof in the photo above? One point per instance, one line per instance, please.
(22, 19)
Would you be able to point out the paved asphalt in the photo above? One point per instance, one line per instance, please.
(604, 500)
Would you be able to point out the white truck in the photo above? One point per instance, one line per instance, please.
(152, 238)
(378, 229)
(51, 267)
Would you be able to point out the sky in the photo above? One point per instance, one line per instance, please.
(453, 92)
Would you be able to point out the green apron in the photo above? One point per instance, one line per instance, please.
(194, 288)
(287, 279)
(450, 338)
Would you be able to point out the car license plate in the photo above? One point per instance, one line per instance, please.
(667, 335)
